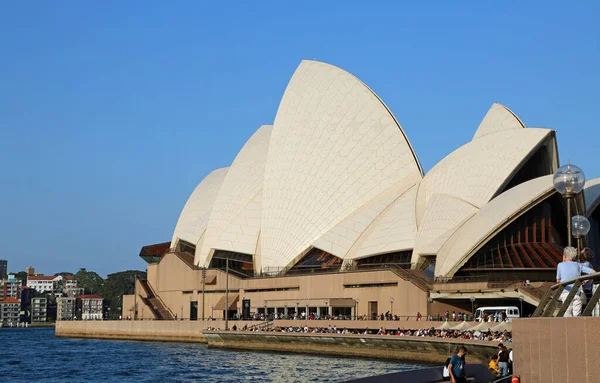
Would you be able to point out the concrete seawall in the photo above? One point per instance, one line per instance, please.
(171, 331)
(422, 349)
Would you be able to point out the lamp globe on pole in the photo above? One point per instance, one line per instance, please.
(581, 227)
(569, 180)
(472, 299)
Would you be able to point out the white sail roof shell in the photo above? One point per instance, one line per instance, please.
(334, 147)
(498, 119)
(196, 212)
(234, 222)
(592, 195)
(492, 218)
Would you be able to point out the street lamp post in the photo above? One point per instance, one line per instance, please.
(181, 317)
(569, 180)
(265, 304)
(392, 306)
(226, 294)
(521, 299)
(472, 299)
(285, 312)
(429, 313)
(203, 290)
(356, 308)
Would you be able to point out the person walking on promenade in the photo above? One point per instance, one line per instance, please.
(503, 358)
(456, 368)
(567, 270)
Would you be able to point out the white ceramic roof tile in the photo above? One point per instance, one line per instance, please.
(483, 226)
(393, 230)
(243, 182)
(242, 233)
(196, 212)
(334, 147)
(498, 118)
(592, 195)
(347, 232)
(444, 214)
(475, 172)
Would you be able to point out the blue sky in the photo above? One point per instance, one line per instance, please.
(112, 112)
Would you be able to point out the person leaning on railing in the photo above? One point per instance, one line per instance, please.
(567, 270)
(587, 255)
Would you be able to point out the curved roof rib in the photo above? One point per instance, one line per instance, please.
(443, 216)
(475, 172)
(498, 118)
(334, 147)
(490, 220)
(344, 236)
(393, 230)
(234, 220)
(196, 212)
(592, 195)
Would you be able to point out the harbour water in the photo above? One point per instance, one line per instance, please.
(35, 354)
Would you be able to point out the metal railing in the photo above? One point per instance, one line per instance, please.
(505, 379)
(551, 300)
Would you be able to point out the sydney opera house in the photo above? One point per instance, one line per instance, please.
(328, 210)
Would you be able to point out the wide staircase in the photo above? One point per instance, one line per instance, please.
(158, 308)
(417, 277)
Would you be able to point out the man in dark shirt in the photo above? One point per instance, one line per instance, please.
(456, 368)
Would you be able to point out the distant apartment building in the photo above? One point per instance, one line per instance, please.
(11, 287)
(72, 292)
(9, 311)
(91, 306)
(66, 308)
(30, 270)
(38, 310)
(3, 268)
(41, 284)
(45, 284)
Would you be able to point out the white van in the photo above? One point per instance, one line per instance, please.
(509, 312)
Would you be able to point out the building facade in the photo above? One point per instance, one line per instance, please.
(66, 308)
(9, 311)
(91, 306)
(328, 210)
(39, 309)
(11, 287)
(57, 284)
(3, 269)
(41, 284)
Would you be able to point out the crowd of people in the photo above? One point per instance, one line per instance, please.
(493, 336)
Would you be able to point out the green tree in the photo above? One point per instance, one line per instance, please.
(90, 281)
(64, 274)
(115, 286)
(22, 275)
